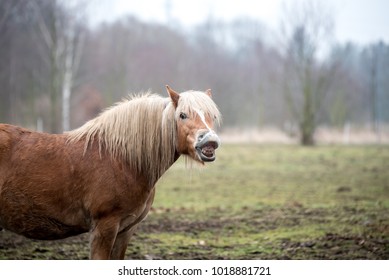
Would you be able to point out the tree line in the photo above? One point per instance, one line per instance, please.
(57, 71)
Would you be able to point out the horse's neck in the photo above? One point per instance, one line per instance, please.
(161, 172)
(176, 157)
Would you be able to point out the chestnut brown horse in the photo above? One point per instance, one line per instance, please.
(101, 177)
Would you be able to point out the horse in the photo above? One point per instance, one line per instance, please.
(100, 178)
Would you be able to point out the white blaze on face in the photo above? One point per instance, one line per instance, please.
(206, 142)
(210, 135)
(202, 117)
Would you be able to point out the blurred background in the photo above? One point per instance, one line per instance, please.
(281, 71)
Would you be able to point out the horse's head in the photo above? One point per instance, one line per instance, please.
(196, 114)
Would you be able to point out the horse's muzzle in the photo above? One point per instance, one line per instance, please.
(206, 145)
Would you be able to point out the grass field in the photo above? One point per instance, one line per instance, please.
(257, 202)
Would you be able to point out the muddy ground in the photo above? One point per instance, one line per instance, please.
(372, 242)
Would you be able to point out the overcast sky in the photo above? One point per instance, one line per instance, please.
(360, 21)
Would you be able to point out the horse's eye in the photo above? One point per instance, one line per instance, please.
(183, 116)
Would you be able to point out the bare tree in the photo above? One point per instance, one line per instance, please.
(306, 28)
(62, 34)
(375, 62)
(74, 40)
(371, 58)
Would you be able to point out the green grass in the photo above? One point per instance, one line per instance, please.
(255, 176)
(275, 202)
(258, 202)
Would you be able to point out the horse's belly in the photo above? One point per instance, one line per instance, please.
(40, 227)
(45, 228)
(20, 213)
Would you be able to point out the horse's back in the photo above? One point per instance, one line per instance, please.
(5, 141)
(9, 135)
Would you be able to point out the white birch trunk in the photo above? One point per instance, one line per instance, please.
(67, 83)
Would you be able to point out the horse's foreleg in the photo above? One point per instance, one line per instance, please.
(122, 239)
(121, 243)
(103, 237)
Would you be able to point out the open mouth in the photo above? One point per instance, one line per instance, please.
(206, 151)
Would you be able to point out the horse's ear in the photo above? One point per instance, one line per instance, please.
(208, 92)
(173, 95)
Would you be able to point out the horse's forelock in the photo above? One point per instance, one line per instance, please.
(193, 101)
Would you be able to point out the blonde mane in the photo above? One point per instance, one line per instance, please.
(141, 130)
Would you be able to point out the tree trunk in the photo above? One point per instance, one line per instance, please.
(54, 81)
(67, 85)
(307, 138)
(307, 125)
